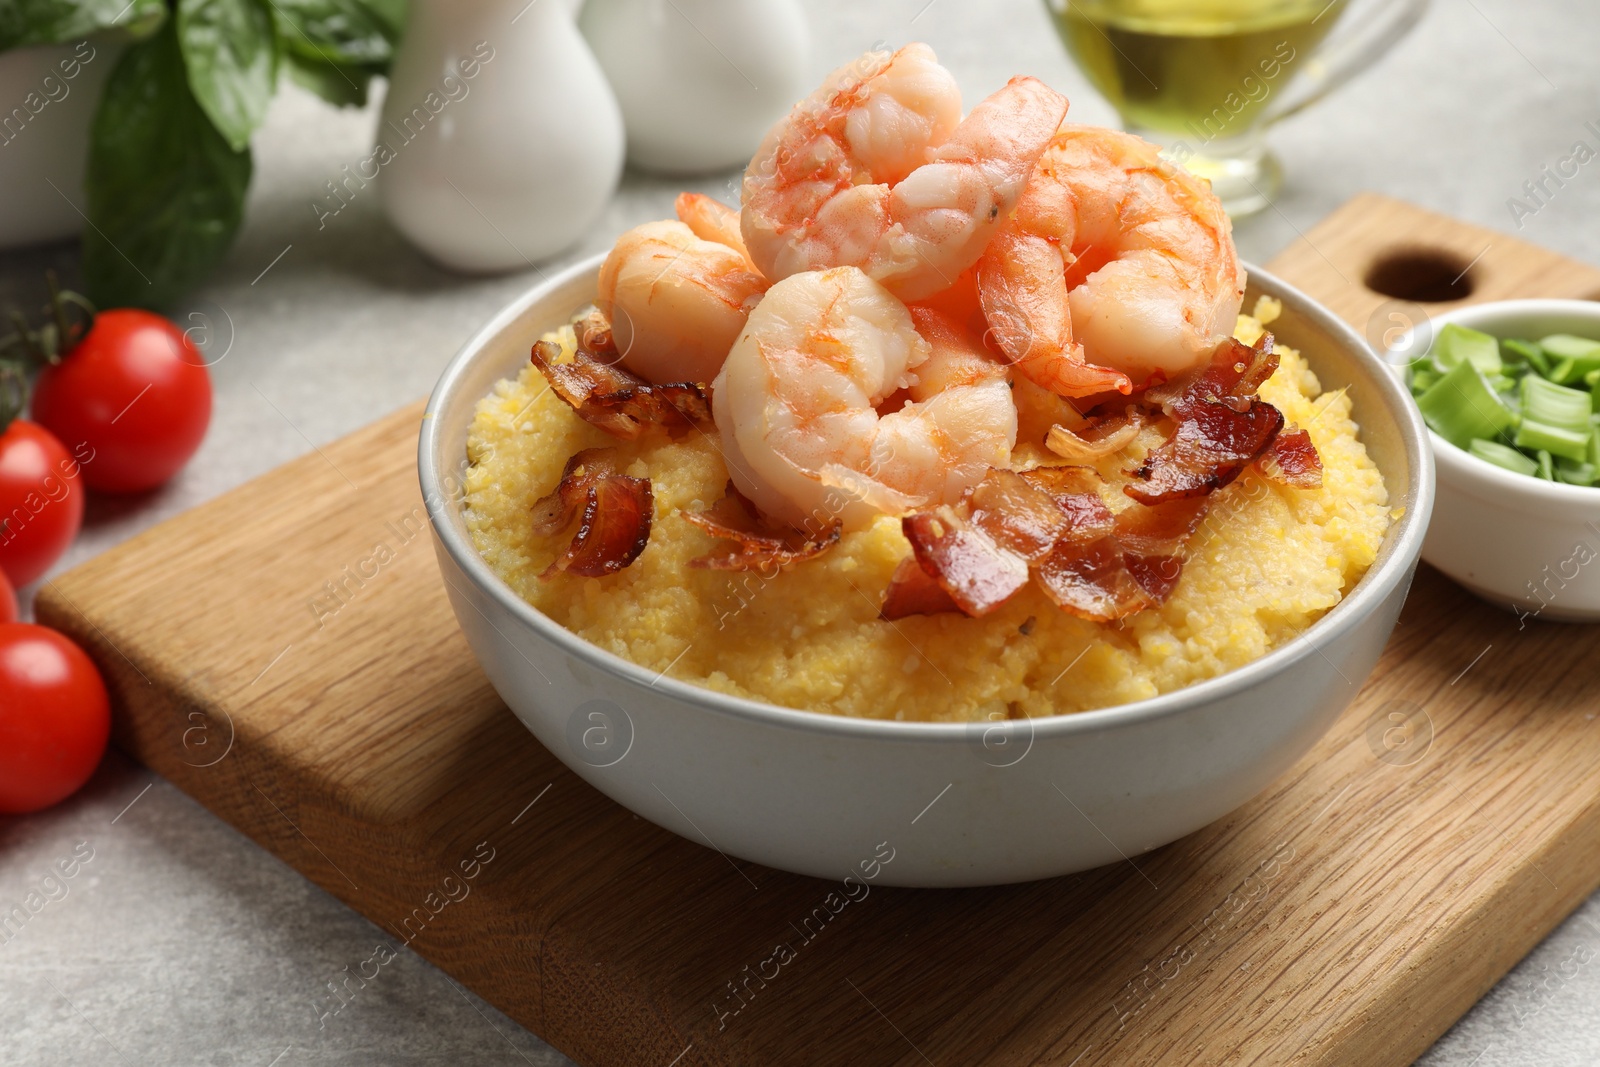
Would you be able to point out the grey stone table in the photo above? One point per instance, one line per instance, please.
(181, 942)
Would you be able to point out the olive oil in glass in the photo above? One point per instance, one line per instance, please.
(1198, 76)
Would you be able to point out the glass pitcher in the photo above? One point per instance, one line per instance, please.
(1205, 78)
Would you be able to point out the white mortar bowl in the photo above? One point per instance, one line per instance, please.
(1523, 544)
(960, 805)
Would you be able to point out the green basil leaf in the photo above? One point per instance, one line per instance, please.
(359, 32)
(165, 191)
(59, 21)
(392, 13)
(337, 83)
(230, 52)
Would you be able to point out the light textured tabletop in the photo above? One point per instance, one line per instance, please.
(180, 941)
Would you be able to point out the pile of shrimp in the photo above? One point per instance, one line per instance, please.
(895, 266)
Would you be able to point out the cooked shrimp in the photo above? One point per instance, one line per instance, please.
(959, 303)
(873, 170)
(956, 357)
(796, 406)
(711, 220)
(676, 302)
(1117, 266)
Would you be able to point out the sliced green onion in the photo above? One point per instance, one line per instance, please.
(1458, 344)
(1528, 351)
(1537, 435)
(1420, 374)
(1566, 346)
(1524, 406)
(1555, 418)
(1569, 371)
(1574, 473)
(1503, 456)
(1557, 405)
(1461, 406)
(1572, 357)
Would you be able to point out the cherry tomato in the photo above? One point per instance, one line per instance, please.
(41, 501)
(55, 717)
(8, 600)
(134, 395)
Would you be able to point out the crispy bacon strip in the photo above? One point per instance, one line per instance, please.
(613, 513)
(913, 591)
(1091, 580)
(1153, 541)
(980, 552)
(1292, 459)
(1221, 425)
(605, 395)
(758, 543)
(1236, 370)
(1134, 568)
(975, 571)
(1051, 525)
(1082, 571)
(1113, 566)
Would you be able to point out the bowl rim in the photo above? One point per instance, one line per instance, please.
(1463, 464)
(1395, 562)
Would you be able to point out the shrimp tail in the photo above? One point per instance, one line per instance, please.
(1025, 303)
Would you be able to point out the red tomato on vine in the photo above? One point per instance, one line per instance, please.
(55, 717)
(132, 396)
(41, 501)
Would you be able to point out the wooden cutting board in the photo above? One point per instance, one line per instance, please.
(285, 654)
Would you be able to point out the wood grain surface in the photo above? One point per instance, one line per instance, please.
(286, 655)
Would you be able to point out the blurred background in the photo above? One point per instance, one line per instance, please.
(182, 941)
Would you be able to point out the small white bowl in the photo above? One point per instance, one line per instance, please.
(1521, 543)
(953, 804)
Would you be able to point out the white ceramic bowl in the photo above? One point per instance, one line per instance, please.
(42, 153)
(959, 805)
(1521, 543)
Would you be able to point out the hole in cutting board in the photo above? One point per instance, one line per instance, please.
(1423, 275)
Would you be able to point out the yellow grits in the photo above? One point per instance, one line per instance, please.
(1268, 562)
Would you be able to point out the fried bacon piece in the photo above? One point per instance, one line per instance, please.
(976, 572)
(913, 591)
(1292, 459)
(1082, 571)
(977, 553)
(613, 512)
(758, 543)
(1134, 567)
(1236, 370)
(1052, 525)
(605, 395)
(1111, 566)
(1221, 425)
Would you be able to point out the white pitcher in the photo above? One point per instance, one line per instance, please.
(500, 141)
(48, 96)
(700, 81)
